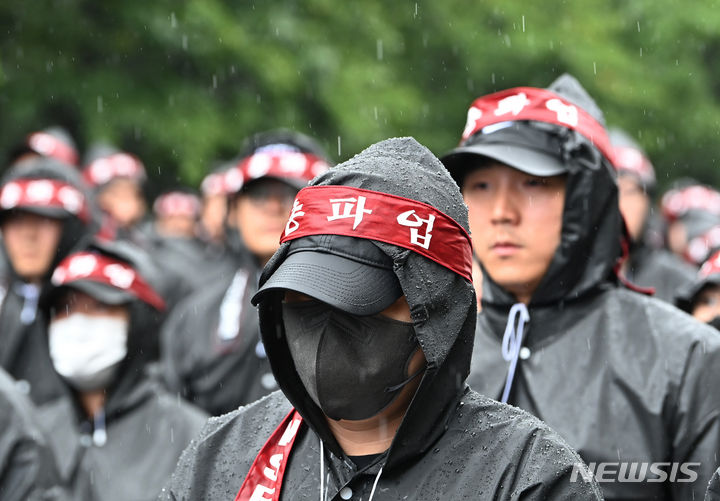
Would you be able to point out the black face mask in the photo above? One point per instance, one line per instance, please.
(353, 367)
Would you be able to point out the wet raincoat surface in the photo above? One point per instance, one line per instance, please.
(23, 332)
(621, 376)
(129, 451)
(713, 493)
(147, 429)
(660, 270)
(211, 349)
(27, 465)
(452, 443)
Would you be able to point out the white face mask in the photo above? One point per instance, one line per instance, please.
(86, 350)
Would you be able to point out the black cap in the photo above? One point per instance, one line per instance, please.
(350, 274)
(521, 145)
(535, 148)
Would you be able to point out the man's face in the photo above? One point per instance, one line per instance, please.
(31, 242)
(634, 204)
(260, 212)
(213, 216)
(516, 224)
(123, 200)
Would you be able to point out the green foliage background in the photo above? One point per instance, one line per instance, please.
(182, 82)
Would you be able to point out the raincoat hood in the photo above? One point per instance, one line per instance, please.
(592, 227)
(442, 302)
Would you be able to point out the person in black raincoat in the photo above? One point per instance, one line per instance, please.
(53, 142)
(371, 346)
(627, 380)
(701, 298)
(646, 266)
(211, 348)
(45, 212)
(27, 465)
(171, 239)
(692, 213)
(120, 434)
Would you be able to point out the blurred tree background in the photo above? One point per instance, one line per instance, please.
(182, 82)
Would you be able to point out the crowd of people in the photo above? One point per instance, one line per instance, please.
(522, 317)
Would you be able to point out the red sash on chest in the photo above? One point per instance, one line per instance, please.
(264, 480)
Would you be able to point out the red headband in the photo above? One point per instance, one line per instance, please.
(44, 193)
(676, 203)
(105, 270)
(214, 184)
(540, 105)
(711, 266)
(50, 146)
(281, 164)
(354, 212)
(698, 248)
(177, 203)
(107, 168)
(629, 159)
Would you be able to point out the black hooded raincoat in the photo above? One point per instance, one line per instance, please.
(27, 465)
(23, 336)
(452, 443)
(143, 430)
(626, 379)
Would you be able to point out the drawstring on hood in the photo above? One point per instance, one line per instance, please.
(31, 296)
(512, 342)
(99, 435)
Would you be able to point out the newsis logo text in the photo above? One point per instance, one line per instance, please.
(629, 472)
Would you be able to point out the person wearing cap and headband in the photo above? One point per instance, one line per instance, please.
(649, 267)
(45, 212)
(701, 298)
(53, 142)
(120, 434)
(367, 312)
(215, 193)
(623, 377)
(188, 264)
(211, 349)
(692, 212)
(117, 179)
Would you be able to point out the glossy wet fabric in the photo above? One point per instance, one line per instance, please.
(621, 376)
(212, 354)
(452, 443)
(146, 431)
(23, 332)
(27, 465)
